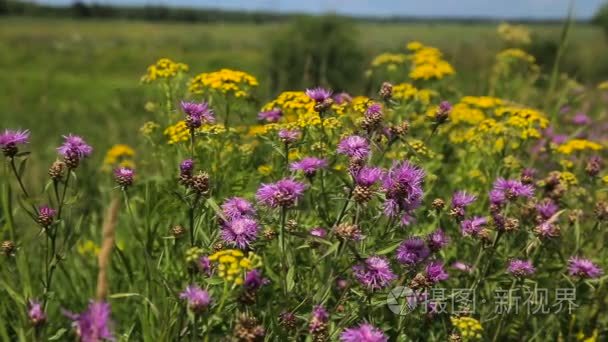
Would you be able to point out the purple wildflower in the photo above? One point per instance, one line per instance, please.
(204, 265)
(363, 333)
(254, 280)
(368, 176)
(510, 189)
(341, 98)
(355, 147)
(186, 167)
(412, 251)
(437, 240)
(124, 176)
(198, 299)
(318, 232)
(583, 268)
(374, 273)
(547, 229)
(403, 187)
(309, 165)
(443, 111)
(320, 317)
(318, 94)
(521, 268)
(581, 119)
(197, 114)
(461, 266)
(546, 209)
(289, 136)
(46, 215)
(374, 111)
(473, 226)
(527, 175)
(460, 201)
(9, 140)
(272, 115)
(35, 313)
(435, 272)
(240, 232)
(93, 325)
(237, 207)
(284, 193)
(74, 147)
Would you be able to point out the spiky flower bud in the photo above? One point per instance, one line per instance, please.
(200, 183)
(178, 231)
(348, 232)
(288, 320)
(291, 225)
(601, 211)
(248, 330)
(56, 170)
(594, 166)
(362, 194)
(8, 247)
(438, 204)
(269, 234)
(386, 91)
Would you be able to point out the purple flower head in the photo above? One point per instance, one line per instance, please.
(284, 193)
(445, 106)
(341, 98)
(318, 232)
(527, 175)
(403, 187)
(240, 232)
(197, 114)
(583, 268)
(186, 167)
(511, 188)
(412, 251)
(354, 146)
(374, 273)
(74, 147)
(318, 94)
(473, 226)
(374, 110)
(461, 266)
(35, 313)
(437, 240)
(204, 265)
(93, 325)
(9, 139)
(289, 136)
(363, 333)
(124, 176)
(547, 229)
(198, 299)
(435, 272)
(521, 268)
(254, 280)
(497, 197)
(272, 115)
(546, 209)
(462, 199)
(368, 176)
(237, 207)
(46, 215)
(320, 316)
(581, 119)
(309, 165)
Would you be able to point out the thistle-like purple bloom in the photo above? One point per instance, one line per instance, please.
(355, 147)
(461, 266)
(204, 265)
(546, 209)
(521, 268)
(318, 232)
(124, 176)
(237, 207)
(547, 229)
(198, 299)
(93, 325)
(197, 114)
(46, 215)
(240, 232)
(272, 115)
(583, 268)
(403, 187)
(320, 316)
(10, 139)
(284, 193)
(289, 136)
(368, 176)
(35, 313)
(473, 226)
(363, 333)
(342, 97)
(581, 119)
(412, 251)
(510, 189)
(75, 147)
(435, 273)
(460, 201)
(374, 110)
(445, 107)
(374, 273)
(437, 240)
(186, 167)
(254, 280)
(309, 165)
(318, 94)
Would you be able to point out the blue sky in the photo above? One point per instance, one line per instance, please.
(452, 8)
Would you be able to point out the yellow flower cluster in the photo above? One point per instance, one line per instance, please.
(390, 60)
(428, 63)
(148, 128)
(515, 34)
(567, 178)
(119, 155)
(468, 327)
(88, 248)
(226, 81)
(359, 104)
(603, 86)
(516, 54)
(605, 179)
(163, 68)
(265, 169)
(232, 264)
(576, 145)
(484, 102)
(420, 148)
(298, 112)
(406, 92)
(179, 132)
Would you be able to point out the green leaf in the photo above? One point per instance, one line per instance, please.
(58, 334)
(290, 279)
(388, 249)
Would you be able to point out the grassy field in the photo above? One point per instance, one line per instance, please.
(63, 75)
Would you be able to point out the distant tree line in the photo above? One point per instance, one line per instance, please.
(80, 9)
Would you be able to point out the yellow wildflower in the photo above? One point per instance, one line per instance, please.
(568, 178)
(389, 59)
(605, 179)
(575, 145)
(517, 54)
(515, 34)
(232, 264)
(468, 327)
(265, 170)
(414, 46)
(603, 86)
(226, 81)
(163, 68)
(117, 152)
(88, 248)
(148, 128)
(482, 101)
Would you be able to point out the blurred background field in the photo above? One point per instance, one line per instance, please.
(83, 76)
